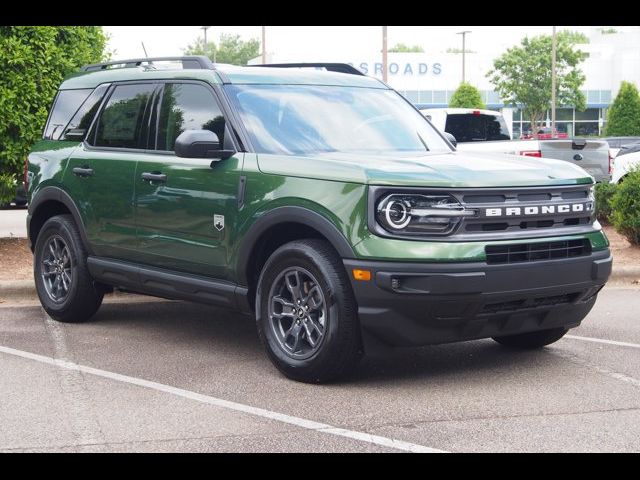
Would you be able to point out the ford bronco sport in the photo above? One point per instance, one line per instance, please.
(321, 202)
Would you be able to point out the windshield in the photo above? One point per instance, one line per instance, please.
(308, 119)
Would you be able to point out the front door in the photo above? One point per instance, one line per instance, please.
(186, 208)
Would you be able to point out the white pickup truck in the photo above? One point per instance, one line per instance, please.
(486, 131)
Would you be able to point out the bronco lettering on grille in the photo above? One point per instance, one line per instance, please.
(538, 210)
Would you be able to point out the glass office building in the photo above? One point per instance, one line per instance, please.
(429, 79)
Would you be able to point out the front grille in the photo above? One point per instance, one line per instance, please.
(520, 199)
(532, 252)
(529, 303)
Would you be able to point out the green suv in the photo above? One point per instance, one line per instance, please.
(318, 200)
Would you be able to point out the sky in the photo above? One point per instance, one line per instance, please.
(318, 43)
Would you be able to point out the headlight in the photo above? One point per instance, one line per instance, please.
(417, 214)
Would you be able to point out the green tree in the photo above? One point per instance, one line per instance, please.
(231, 49)
(33, 62)
(623, 117)
(466, 96)
(402, 48)
(522, 75)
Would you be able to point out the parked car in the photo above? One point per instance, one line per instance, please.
(544, 133)
(20, 200)
(469, 124)
(321, 203)
(625, 164)
(618, 143)
(628, 148)
(486, 131)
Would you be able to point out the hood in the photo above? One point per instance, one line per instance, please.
(454, 169)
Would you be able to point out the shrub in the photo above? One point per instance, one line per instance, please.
(7, 188)
(467, 96)
(625, 204)
(33, 62)
(623, 117)
(604, 192)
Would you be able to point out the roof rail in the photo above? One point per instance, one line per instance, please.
(197, 62)
(332, 67)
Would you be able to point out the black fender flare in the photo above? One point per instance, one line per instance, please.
(288, 215)
(52, 193)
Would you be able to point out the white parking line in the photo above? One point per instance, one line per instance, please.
(218, 402)
(602, 340)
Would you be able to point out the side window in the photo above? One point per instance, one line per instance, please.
(66, 104)
(187, 106)
(121, 122)
(83, 117)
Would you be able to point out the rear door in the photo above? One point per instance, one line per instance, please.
(101, 171)
(186, 207)
(592, 155)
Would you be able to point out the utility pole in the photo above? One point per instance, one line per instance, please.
(264, 45)
(464, 51)
(553, 83)
(384, 54)
(204, 29)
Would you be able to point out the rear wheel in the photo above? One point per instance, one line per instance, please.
(532, 340)
(65, 288)
(306, 312)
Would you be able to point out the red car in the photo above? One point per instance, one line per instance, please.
(544, 134)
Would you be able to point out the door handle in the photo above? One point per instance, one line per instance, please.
(83, 171)
(154, 177)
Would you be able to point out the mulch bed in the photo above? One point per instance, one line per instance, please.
(16, 259)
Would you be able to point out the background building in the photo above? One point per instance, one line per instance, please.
(429, 79)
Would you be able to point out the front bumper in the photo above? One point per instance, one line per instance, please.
(408, 304)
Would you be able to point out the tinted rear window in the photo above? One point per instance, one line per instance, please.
(66, 105)
(468, 127)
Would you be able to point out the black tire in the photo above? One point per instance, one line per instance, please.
(532, 340)
(339, 348)
(83, 296)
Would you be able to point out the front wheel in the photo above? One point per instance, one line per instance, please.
(306, 312)
(532, 340)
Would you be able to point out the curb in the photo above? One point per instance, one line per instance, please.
(26, 289)
(625, 273)
(17, 288)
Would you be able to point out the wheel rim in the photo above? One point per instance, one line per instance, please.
(298, 313)
(56, 269)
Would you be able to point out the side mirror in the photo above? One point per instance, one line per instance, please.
(451, 138)
(75, 134)
(200, 144)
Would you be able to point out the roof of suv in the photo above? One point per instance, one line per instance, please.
(223, 74)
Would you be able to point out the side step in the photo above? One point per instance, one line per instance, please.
(168, 283)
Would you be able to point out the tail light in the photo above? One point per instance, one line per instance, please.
(531, 153)
(610, 162)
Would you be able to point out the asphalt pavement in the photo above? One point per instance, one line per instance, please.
(174, 376)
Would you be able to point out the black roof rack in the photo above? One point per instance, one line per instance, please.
(191, 62)
(332, 67)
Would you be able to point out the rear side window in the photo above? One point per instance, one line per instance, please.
(121, 122)
(84, 116)
(187, 106)
(66, 105)
(468, 127)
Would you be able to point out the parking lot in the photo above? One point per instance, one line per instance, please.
(173, 376)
